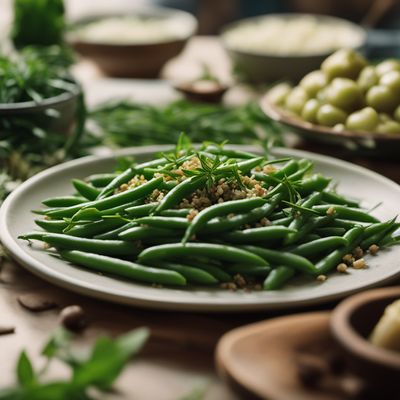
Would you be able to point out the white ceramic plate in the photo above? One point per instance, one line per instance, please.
(16, 218)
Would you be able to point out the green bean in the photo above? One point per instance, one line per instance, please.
(141, 210)
(217, 210)
(308, 238)
(343, 223)
(148, 232)
(283, 258)
(265, 233)
(179, 212)
(312, 224)
(318, 246)
(164, 222)
(329, 262)
(213, 270)
(282, 221)
(100, 180)
(120, 209)
(235, 222)
(124, 177)
(377, 228)
(175, 195)
(95, 228)
(334, 198)
(243, 166)
(314, 183)
(113, 234)
(84, 189)
(55, 226)
(63, 201)
(377, 236)
(278, 277)
(123, 268)
(289, 168)
(229, 152)
(150, 164)
(301, 172)
(248, 270)
(299, 221)
(331, 231)
(213, 251)
(112, 201)
(191, 274)
(105, 247)
(351, 213)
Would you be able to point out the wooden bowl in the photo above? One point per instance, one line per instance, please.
(261, 360)
(210, 92)
(370, 143)
(352, 322)
(135, 60)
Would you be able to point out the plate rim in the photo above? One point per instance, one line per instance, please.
(40, 269)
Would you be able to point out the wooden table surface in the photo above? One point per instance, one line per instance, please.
(179, 355)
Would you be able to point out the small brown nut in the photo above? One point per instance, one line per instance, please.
(348, 259)
(373, 249)
(359, 264)
(73, 318)
(322, 278)
(330, 211)
(358, 252)
(342, 267)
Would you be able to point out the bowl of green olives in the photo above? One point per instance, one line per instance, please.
(347, 101)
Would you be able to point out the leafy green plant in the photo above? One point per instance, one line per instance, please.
(38, 22)
(124, 123)
(98, 370)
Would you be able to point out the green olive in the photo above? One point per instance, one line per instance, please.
(339, 128)
(382, 98)
(367, 78)
(389, 127)
(296, 99)
(330, 115)
(396, 114)
(392, 80)
(383, 117)
(313, 82)
(345, 63)
(277, 94)
(310, 110)
(344, 93)
(366, 119)
(387, 65)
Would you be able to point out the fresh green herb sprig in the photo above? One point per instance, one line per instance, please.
(124, 123)
(98, 370)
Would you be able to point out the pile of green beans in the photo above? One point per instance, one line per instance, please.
(297, 225)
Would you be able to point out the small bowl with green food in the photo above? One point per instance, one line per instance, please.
(135, 44)
(274, 47)
(38, 95)
(367, 328)
(347, 101)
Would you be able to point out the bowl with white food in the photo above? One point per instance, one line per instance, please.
(275, 47)
(134, 45)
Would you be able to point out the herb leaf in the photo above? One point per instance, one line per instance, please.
(25, 373)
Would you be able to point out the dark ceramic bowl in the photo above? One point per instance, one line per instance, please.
(262, 67)
(352, 322)
(370, 143)
(65, 106)
(135, 60)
